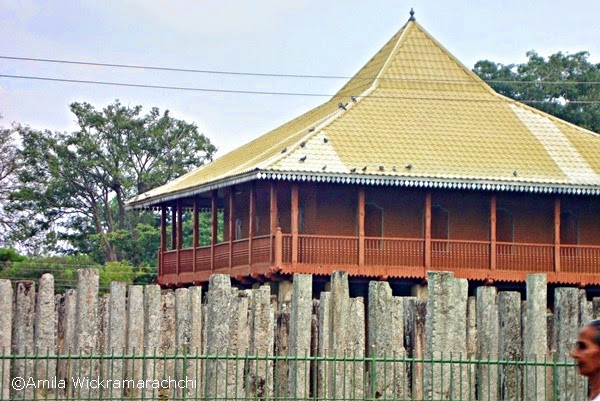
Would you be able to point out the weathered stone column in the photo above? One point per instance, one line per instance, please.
(22, 335)
(586, 308)
(535, 340)
(103, 317)
(6, 313)
(239, 337)
(566, 329)
(325, 368)
(596, 307)
(195, 364)
(339, 341)
(167, 345)
(471, 346)
(117, 329)
(446, 331)
(299, 341)
(354, 380)
(282, 346)
(66, 308)
(510, 344)
(86, 326)
(386, 340)
(135, 335)
(260, 380)
(217, 334)
(183, 320)
(44, 332)
(415, 310)
(153, 319)
(487, 343)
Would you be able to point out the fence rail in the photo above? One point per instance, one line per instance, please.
(151, 376)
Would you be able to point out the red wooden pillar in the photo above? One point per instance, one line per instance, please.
(557, 235)
(163, 239)
(273, 221)
(428, 230)
(196, 233)
(231, 223)
(361, 227)
(294, 224)
(179, 235)
(214, 226)
(493, 237)
(173, 227)
(251, 220)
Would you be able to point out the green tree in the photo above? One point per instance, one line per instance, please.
(10, 165)
(564, 85)
(78, 182)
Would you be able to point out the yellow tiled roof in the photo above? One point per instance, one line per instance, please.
(413, 112)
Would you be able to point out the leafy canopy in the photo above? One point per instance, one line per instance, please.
(564, 85)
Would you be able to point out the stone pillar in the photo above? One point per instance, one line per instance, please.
(471, 346)
(153, 318)
(299, 343)
(239, 336)
(117, 329)
(182, 335)
(586, 309)
(6, 312)
(535, 341)
(284, 291)
(217, 334)
(167, 344)
(338, 343)
(325, 368)
(386, 340)
(22, 335)
(566, 330)
(86, 326)
(446, 331)
(282, 345)
(195, 364)
(103, 317)
(415, 310)
(44, 332)
(596, 307)
(135, 335)
(354, 380)
(260, 380)
(67, 305)
(487, 343)
(510, 344)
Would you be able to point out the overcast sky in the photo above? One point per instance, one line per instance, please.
(306, 37)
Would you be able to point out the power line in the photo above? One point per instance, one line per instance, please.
(277, 75)
(250, 92)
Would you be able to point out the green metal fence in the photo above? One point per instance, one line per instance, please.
(151, 376)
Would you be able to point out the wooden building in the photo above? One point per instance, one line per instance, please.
(415, 164)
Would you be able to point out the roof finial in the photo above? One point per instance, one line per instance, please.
(412, 15)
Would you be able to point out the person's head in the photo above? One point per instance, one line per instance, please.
(587, 349)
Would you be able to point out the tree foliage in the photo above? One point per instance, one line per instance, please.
(76, 184)
(564, 85)
(10, 165)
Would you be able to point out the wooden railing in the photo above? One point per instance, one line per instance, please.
(318, 250)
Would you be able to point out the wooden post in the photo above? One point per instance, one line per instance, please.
(273, 216)
(294, 224)
(231, 223)
(493, 237)
(278, 248)
(173, 227)
(557, 235)
(179, 235)
(361, 227)
(163, 239)
(251, 218)
(428, 230)
(196, 234)
(214, 227)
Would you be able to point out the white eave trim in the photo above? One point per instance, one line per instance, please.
(356, 179)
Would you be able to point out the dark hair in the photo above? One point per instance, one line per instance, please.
(595, 324)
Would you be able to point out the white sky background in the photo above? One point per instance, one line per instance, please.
(310, 37)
